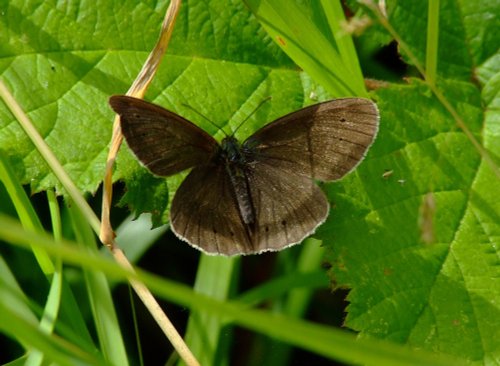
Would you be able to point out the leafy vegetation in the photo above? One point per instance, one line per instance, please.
(412, 233)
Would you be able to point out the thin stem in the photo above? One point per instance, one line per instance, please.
(431, 54)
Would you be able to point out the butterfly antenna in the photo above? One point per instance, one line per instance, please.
(251, 114)
(206, 118)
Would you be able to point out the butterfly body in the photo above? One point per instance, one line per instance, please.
(238, 166)
(259, 195)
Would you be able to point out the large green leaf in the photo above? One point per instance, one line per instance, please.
(63, 60)
(415, 231)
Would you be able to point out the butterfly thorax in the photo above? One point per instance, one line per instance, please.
(237, 166)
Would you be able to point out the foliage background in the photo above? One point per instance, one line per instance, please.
(423, 175)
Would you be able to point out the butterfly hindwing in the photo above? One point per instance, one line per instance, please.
(288, 207)
(204, 213)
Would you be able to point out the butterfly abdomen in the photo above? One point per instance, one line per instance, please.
(236, 168)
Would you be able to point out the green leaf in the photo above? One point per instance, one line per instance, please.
(423, 176)
(454, 61)
(319, 45)
(146, 193)
(414, 232)
(481, 22)
(75, 57)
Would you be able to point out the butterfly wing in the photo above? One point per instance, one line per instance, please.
(324, 141)
(288, 207)
(163, 141)
(204, 213)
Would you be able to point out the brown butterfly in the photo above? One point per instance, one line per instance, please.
(259, 195)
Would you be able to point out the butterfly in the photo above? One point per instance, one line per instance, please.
(255, 196)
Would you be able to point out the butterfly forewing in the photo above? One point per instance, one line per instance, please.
(324, 141)
(163, 141)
